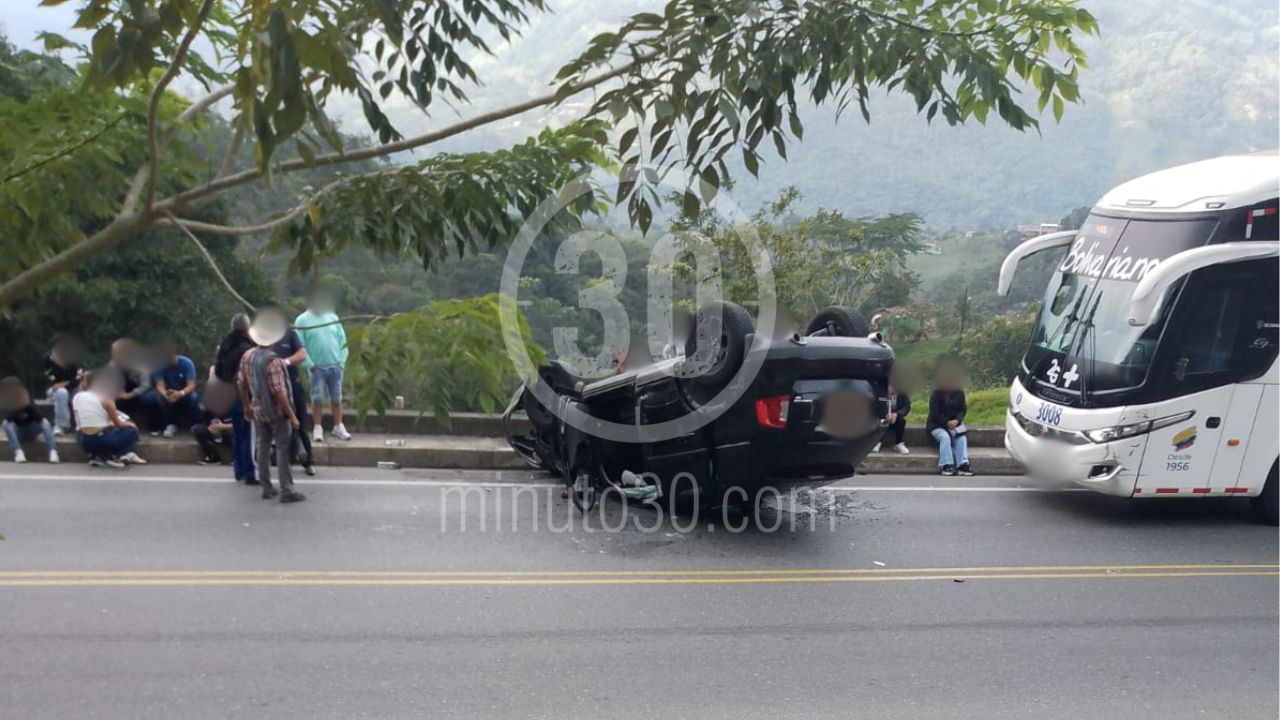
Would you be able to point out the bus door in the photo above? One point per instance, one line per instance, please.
(1223, 335)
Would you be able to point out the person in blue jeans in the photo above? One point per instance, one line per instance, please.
(225, 369)
(62, 371)
(175, 382)
(22, 421)
(106, 435)
(947, 408)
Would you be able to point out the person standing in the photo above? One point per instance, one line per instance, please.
(265, 394)
(22, 421)
(62, 370)
(291, 350)
(175, 383)
(225, 368)
(326, 343)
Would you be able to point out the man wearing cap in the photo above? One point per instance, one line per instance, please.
(263, 381)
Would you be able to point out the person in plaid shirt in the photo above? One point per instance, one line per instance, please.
(263, 382)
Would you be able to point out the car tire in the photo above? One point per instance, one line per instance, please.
(844, 322)
(1267, 504)
(732, 324)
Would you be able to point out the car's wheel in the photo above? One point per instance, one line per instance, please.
(716, 347)
(839, 322)
(1267, 505)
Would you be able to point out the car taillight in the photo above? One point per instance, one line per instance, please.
(771, 412)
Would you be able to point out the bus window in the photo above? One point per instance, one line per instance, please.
(1228, 332)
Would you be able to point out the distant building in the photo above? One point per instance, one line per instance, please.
(1030, 231)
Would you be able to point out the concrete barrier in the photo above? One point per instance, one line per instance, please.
(482, 453)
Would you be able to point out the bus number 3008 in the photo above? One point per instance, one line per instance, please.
(1049, 414)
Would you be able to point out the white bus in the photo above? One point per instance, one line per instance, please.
(1152, 369)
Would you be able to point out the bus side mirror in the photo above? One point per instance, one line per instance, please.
(1151, 289)
(1027, 249)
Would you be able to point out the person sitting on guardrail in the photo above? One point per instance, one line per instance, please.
(23, 421)
(947, 408)
(896, 421)
(62, 370)
(175, 382)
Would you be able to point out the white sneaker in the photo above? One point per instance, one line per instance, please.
(169, 431)
(132, 459)
(19, 456)
(340, 432)
(53, 457)
(317, 433)
(113, 463)
(902, 449)
(59, 432)
(876, 448)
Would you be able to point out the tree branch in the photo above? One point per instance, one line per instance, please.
(181, 200)
(213, 264)
(153, 109)
(129, 222)
(65, 151)
(139, 181)
(231, 230)
(71, 258)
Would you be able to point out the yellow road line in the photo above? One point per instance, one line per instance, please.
(23, 574)
(656, 579)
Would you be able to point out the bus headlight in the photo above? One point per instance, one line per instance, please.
(1120, 432)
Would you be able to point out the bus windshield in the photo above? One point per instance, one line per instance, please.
(1082, 336)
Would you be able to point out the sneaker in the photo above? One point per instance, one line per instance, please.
(132, 459)
(19, 456)
(309, 469)
(340, 432)
(902, 449)
(53, 457)
(113, 463)
(291, 496)
(170, 430)
(59, 431)
(97, 462)
(876, 448)
(965, 470)
(317, 433)
(268, 492)
(948, 470)
(209, 461)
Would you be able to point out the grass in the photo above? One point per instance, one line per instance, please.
(986, 407)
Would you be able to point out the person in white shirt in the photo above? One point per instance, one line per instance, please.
(107, 435)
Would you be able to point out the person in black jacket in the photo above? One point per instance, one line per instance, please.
(947, 408)
(22, 421)
(225, 367)
(214, 428)
(896, 421)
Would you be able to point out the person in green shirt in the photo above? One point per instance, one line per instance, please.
(326, 344)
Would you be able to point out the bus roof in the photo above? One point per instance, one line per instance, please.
(1221, 183)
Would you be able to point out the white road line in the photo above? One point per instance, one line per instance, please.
(108, 476)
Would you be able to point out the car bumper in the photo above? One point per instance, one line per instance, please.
(1110, 468)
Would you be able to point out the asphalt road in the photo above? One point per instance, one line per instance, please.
(166, 592)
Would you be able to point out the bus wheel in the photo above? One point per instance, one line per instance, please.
(1267, 505)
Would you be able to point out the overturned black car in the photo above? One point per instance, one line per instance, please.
(734, 416)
